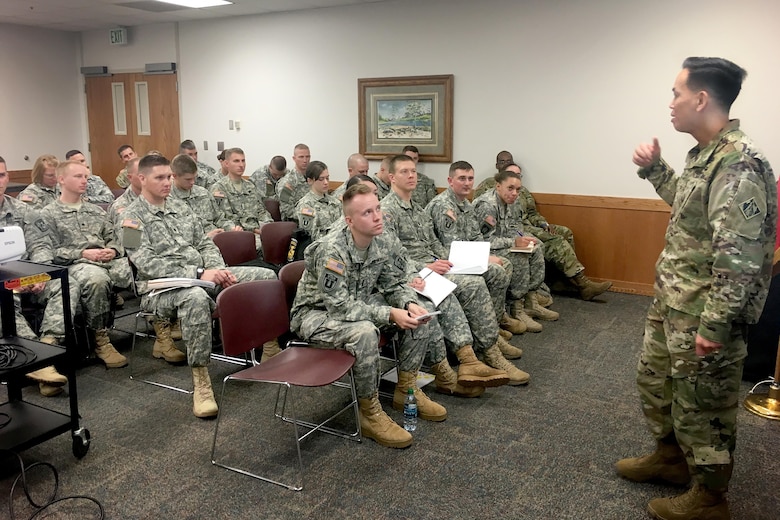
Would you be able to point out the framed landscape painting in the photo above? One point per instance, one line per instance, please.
(416, 110)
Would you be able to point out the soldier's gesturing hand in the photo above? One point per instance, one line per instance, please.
(647, 154)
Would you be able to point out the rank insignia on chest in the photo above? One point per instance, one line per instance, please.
(334, 265)
(749, 208)
(309, 212)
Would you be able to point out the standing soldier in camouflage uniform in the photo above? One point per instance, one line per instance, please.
(15, 213)
(426, 188)
(414, 229)
(200, 201)
(317, 211)
(356, 165)
(453, 219)
(98, 191)
(711, 281)
(43, 189)
(83, 239)
(164, 239)
(267, 178)
(293, 186)
(239, 199)
(382, 178)
(125, 153)
(500, 219)
(206, 174)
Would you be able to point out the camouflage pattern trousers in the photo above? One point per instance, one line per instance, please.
(497, 278)
(477, 305)
(696, 398)
(559, 249)
(361, 339)
(194, 307)
(527, 272)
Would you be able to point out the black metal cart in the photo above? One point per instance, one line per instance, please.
(29, 424)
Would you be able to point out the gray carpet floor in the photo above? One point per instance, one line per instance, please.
(545, 451)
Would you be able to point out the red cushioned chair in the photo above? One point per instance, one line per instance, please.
(275, 237)
(296, 366)
(236, 247)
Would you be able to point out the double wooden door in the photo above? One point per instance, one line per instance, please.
(138, 109)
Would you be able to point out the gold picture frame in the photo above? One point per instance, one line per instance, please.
(411, 110)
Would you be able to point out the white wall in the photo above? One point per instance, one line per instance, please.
(569, 87)
(39, 94)
(154, 43)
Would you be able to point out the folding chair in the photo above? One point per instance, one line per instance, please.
(272, 205)
(236, 247)
(293, 367)
(275, 238)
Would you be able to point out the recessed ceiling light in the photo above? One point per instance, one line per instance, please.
(196, 4)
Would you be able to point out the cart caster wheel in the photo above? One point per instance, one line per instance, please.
(81, 443)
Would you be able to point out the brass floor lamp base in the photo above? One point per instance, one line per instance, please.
(765, 405)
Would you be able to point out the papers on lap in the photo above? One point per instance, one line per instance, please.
(530, 248)
(436, 286)
(469, 257)
(160, 285)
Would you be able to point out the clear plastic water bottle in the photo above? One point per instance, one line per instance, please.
(410, 411)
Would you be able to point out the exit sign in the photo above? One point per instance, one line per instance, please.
(118, 36)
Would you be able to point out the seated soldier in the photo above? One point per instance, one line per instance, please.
(98, 191)
(206, 174)
(293, 185)
(126, 153)
(132, 192)
(317, 211)
(163, 239)
(200, 201)
(267, 178)
(356, 165)
(43, 189)
(501, 223)
(426, 188)
(239, 199)
(503, 159)
(382, 178)
(82, 238)
(409, 222)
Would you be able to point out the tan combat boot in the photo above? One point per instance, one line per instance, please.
(270, 349)
(545, 300)
(446, 381)
(534, 310)
(106, 351)
(666, 464)
(587, 287)
(698, 503)
(163, 346)
(495, 359)
(203, 403)
(50, 382)
(518, 311)
(511, 324)
(426, 409)
(472, 372)
(505, 334)
(176, 330)
(376, 424)
(508, 350)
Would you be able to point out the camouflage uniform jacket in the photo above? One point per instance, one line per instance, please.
(382, 189)
(167, 241)
(499, 222)
(15, 213)
(241, 203)
(266, 183)
(717, 260)
(203, 205)
(531, 217)
(338, 280)
(39, 196)
(318, 214)
(121, 180)
(290, 189)
(206, 175)
(97, 191)
(453, 219)
(119, 205)
(338, 193)
(425, 190)
(73, 230)
(413, 227)
(487, 184)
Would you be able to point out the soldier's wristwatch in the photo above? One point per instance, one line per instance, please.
(199, 272)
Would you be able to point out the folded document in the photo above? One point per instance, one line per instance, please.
(161, 285)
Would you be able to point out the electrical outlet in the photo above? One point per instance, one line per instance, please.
(238, 124)
(230, 124)
(205, 145)
(220, 146)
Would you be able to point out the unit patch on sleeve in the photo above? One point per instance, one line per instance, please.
(749, 208)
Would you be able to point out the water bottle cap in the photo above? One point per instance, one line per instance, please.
(410, 391)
